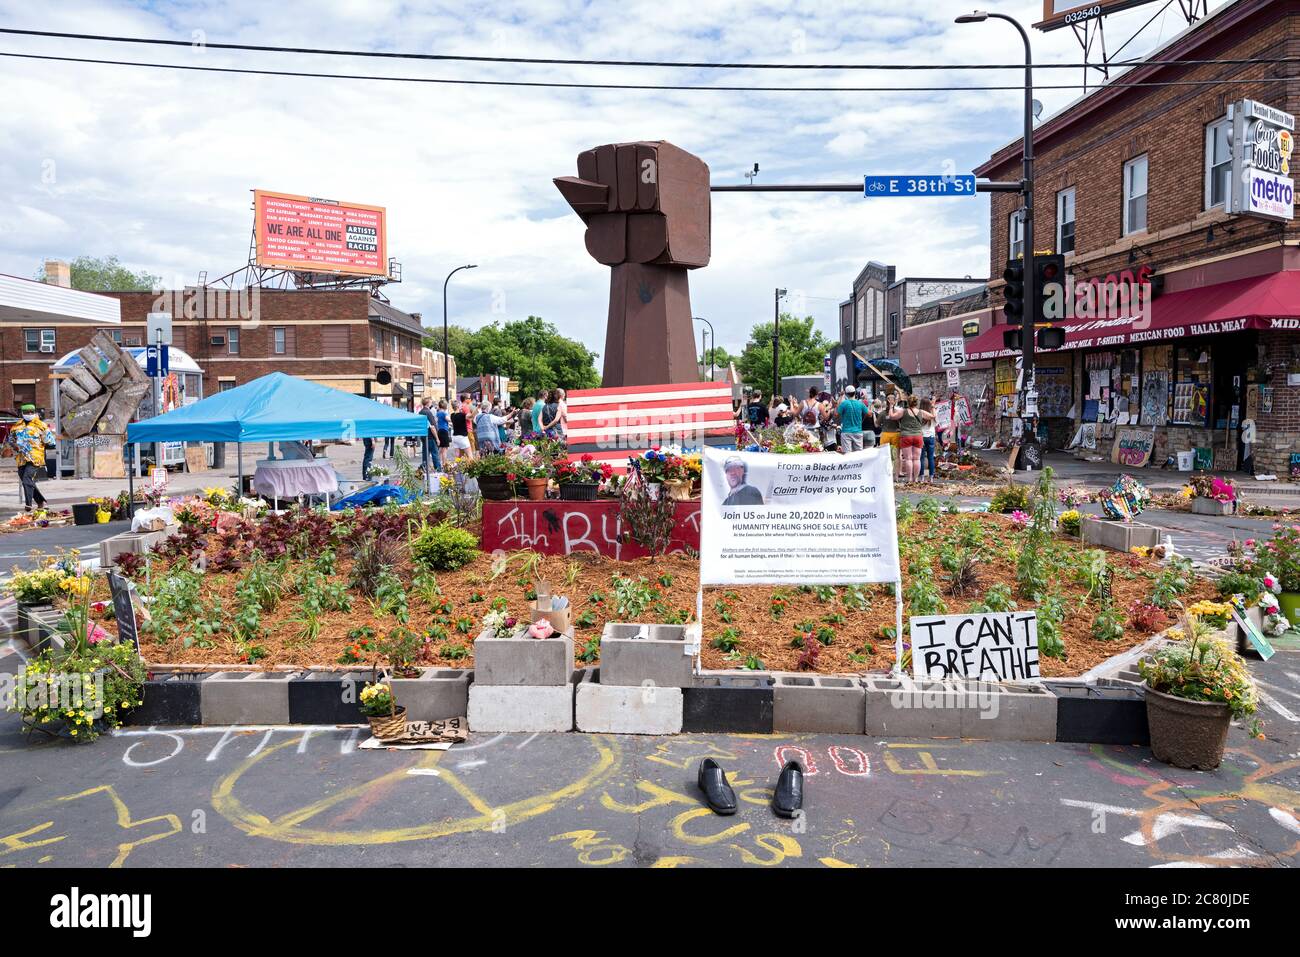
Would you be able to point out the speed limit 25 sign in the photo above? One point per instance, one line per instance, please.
(952, 352)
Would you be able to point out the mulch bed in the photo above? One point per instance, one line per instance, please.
(669, 587)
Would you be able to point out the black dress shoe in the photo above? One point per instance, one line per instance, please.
(717, 792)
(789, 790)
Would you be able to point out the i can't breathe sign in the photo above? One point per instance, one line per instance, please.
(994, 647)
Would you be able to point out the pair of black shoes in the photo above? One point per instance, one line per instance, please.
(786, 802)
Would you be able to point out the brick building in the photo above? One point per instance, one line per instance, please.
(964, 315)
(1135, 186)
(340, 338)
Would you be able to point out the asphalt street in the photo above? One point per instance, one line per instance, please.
(295, 797)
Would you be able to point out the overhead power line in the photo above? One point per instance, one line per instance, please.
(574, 61)
(1114, 84)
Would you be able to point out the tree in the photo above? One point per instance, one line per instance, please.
(530, 351)
(107, 274)
(721, 359)
(803, 351)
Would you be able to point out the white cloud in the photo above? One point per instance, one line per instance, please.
(156, 166)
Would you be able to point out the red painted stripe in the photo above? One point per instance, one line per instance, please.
(633, 391)
(637, 407)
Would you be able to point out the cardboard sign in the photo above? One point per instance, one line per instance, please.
(445, 729)
(995, 647)
(196, 458)
(1253, 635)
(1133, 447)
(124, 609)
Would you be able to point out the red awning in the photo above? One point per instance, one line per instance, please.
(1261, 302)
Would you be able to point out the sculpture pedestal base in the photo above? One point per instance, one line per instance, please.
(650, 339)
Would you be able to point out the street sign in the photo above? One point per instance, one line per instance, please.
(954, 378)
(417, 383)
(157, 361)
(158, 329)
(918, 185)
(952, 352)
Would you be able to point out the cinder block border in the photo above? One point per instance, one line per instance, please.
(729, 703)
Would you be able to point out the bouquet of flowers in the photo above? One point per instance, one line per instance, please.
(1213, 487)
(1074, 496)
(584, 471)
(498, 624)
(527, 462)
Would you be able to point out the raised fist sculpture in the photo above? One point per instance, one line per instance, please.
(646, 206)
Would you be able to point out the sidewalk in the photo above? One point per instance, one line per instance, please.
(1071, 471)
(63, 493)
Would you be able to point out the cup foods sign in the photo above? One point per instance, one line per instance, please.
(1263, 139)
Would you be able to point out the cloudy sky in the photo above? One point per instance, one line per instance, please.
(156, 166)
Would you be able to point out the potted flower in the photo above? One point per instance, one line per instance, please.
(379, 705)
(676, 475)
(652, 463)
(580, 480)
(531, 467)
(496, 474)
(1195, 687)
(1212, 495)
(1071, 522)
(83, 513)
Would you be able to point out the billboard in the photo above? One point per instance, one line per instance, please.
(1068, 13)
(319, 235)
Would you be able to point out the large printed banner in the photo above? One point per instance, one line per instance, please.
(797, 519)
(319, 235)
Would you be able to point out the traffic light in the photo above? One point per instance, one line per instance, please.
(1049, 299)
(1014, 275)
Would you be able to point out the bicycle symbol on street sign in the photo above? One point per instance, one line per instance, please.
(918, 185)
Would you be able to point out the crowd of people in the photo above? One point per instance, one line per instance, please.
(849, 422)
(466, 427)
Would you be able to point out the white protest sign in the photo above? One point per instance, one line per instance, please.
(996, 647)
(796, 519)
(952, 352)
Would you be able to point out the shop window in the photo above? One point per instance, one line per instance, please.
(1192, 377)
(1065, 221)
(1218, 164)
(1135, 195)
(1016, 235)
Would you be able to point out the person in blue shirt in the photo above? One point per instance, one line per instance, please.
(851, 412)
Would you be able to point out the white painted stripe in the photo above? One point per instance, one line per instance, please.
(720, 408)
(650, 428)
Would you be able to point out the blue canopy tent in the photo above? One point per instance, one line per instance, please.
(277, 408)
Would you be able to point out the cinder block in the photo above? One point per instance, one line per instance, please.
(728, 703)
(632, 654)
(622, 709)
(526, 708)
(1121, 536)
(523, 661)
(904, 707)
(1100, 714)
(137, 543)
(327, 697)
(817, 703)
(438, 693)
(1007, 712)
(1209, 506)
(38, 627)
(169, 700)
(246, 697)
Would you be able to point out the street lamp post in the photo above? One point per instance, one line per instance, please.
(1029, 317)
(776, 342)
(713, 343)
(446, 366)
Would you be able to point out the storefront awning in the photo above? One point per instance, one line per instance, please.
(1261, 302)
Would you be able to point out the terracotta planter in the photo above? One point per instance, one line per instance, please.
(1187, 734)
(536, 488)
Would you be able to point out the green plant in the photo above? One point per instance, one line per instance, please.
(1249, 587)
(1172, 582)
(728, 640)
(1010, 498)
(81, 690)
(377, 700)
(464, 625)
(921, 594)
(390, 597)
(960, 566)
(1109, 624)
(996, 600)
(589, 651)
(754, 663)
(443, 547)
(632, 596)
(403, 648)
(825, 635)
(1071, 521)
(1051, 612)
(1202, 669)
(586, 619)
(454, 652)
(373, 555)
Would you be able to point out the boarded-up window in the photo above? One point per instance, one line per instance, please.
(334, 341)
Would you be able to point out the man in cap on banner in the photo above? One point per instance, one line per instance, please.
(742, 493)
(27, 442)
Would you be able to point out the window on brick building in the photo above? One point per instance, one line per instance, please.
(893, 327)
(1015, 235)
(278, 333)
(1065, 221)
(1218, 164)
(38, 340)
(232, 341)
(1135, 195)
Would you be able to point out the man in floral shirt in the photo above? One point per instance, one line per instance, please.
(27, 442)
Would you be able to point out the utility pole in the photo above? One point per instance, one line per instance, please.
(776, 342)
(446, 366)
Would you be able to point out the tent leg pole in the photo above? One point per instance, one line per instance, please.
(239, 470)
(130, 486)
